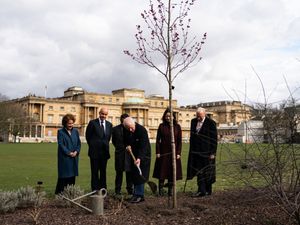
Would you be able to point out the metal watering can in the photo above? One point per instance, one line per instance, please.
(97, 201)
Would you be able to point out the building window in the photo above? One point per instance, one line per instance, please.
(50, 108)
(50, 118)
(117, 100)
(62, 108)
(162, 103)
(60, 118)
(36, 117)
(73, 109)
(155, 122)
(141, 121)
(110, 99)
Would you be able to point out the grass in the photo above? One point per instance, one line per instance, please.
(25, 164)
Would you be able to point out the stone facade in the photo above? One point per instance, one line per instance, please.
(47, 113)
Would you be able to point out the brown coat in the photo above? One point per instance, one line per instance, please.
(163, 165)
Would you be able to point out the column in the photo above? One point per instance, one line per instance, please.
(30, 130)
(35, 135)
(97, 112)
(86, 115)
(41, 113)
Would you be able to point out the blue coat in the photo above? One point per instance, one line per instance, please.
(67, 165)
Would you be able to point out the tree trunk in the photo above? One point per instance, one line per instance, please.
(171, 110)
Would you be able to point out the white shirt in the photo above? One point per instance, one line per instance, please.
(199, 125)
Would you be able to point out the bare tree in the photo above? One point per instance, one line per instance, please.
(167, 48)
(13, 119)
(3, 97)
(274, 164)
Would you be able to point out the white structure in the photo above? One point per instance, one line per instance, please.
(251, 131)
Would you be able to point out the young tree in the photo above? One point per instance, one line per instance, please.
(166, 47)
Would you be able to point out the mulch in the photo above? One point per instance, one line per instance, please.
(238, 207)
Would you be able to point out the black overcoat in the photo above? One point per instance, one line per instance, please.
(140, 145)
(202, 145)
(163, 168)
(122, 159)
(97, 141)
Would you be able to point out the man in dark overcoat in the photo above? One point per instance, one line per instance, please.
(136, 137)
(122, 159)
(202, 153)
(98, 134)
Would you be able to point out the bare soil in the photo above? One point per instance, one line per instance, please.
(227, 207)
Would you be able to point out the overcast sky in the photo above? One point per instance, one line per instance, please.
(80, 43)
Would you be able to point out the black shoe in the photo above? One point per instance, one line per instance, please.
(198, 194)
(137, 199)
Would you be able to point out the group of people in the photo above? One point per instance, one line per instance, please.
(133, 153)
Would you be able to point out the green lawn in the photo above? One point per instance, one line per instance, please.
(25, 164)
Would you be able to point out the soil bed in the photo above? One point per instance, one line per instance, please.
(228, 207)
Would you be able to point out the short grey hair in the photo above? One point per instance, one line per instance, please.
(128, 121)
(200, 109)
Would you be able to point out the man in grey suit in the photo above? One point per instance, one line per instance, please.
(98, 134)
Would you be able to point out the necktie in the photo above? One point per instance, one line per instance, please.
(102, 127)
(199, 125)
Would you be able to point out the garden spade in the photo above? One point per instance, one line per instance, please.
(152, 185)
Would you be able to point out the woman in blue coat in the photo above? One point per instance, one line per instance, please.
(67, 155)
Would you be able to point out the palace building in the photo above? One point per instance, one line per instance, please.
(47, 113)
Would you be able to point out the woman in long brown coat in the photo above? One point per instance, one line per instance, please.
(163, 164)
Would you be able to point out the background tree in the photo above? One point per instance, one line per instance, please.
(13, 119)
(272, 167)
(165, 46)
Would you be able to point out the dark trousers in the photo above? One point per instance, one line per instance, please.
(62, 183)
(98, 165)
(161, 185)
(204, 186)
(119, 180)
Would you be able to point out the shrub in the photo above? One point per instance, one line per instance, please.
(8, 201)
(28, 197)
(70, 192)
